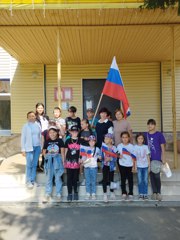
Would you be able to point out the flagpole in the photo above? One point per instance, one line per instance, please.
(97, 108)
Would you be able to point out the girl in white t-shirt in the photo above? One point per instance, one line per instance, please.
(143, 162)
(126, 164)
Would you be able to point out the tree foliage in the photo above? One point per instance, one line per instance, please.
(163, 4)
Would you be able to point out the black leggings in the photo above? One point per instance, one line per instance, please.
(72, 179)
(155, 182)
(108, 176)
(126, 173)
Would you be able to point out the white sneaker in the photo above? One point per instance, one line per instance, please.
(29, 185)
(105, 198)
(93, 196)
(130, 197)
(47, 198)
(124, 197)
(58, 197)
(112, 196)
(87, 196)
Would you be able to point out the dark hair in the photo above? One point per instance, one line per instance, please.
(57, 108)
(125, 133)
(30, 113)
(86, 121)
(138, 135)
(151, 121)
(37, 105)
(119, 110)
(72, 109)
(43, 113)
(104, 109)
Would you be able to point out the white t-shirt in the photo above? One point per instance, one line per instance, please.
(126, 151)
(91, 157)
(44, 123)
(141, 153)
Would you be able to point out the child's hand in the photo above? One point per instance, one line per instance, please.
(24, 154)
(133, 169)
(107, 159)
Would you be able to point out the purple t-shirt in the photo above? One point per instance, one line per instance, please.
(154, 142)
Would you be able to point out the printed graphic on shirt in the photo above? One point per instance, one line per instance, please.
(72, 156)
(53, 146)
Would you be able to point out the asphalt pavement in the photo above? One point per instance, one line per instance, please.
(88, 223)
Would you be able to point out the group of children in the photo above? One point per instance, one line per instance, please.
(65, 146)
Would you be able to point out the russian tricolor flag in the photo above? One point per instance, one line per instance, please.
(114, 87)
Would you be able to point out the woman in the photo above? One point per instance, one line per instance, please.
(120, 125)
(103, 126)
(43, 122)
(31, 147)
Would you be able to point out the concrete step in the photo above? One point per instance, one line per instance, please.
(21, 193)
(16, 179)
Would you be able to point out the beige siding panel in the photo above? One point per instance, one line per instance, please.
(167, 95)
(4, 64)
(26, 91)
(142, 84)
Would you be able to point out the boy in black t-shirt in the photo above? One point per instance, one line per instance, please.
(53, 151)
(72, 120)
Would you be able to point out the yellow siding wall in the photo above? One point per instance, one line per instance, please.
(4, 64)
(26, 91)
(167, 95)
(142, 84)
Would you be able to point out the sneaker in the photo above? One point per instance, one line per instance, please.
(93, 196)
(146, 197)
(154, 196)
(35, 184)
(29, 185)
(140, 197)
(130, 197)
(87, 196)
(47, 198)
(124, 197)
(69, 198)
(112, 196)
(76, 197)
(105, 198)
(159, 197)
(58, 197)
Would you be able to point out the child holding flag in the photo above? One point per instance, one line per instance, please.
(109, 158)
(89, 155)
(126, 164)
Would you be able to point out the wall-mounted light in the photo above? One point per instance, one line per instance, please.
(35, 74)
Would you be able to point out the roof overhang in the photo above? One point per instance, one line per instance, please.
(90, 36)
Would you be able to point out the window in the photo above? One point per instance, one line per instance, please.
(5, 112)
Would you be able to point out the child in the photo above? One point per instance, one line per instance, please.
(60, 122)
(143, 162)
(53, 151)
(31, 147)
(109, 158)
(72, 120)
(126, 163)
(89, 160)
(90, 116)
(72, 164)
(85, 132)
(156, 143)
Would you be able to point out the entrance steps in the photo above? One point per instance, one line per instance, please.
(13, 188)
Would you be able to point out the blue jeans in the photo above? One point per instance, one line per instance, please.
(31, 164)
(90, 175)
(143, 180)
(53, 167)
